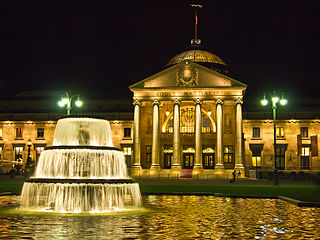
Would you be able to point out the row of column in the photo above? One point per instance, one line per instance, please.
(176, 136)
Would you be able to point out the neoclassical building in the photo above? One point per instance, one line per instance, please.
(188, 116)
(185, 121)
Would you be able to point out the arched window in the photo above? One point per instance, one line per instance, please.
(187, 121)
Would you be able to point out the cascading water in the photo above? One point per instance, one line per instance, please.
(81, 172)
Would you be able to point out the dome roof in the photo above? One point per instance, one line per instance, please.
(197, 54)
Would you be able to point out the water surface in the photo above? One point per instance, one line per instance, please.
(171, 217)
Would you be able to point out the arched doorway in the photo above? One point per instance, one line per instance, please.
(208, 158)
(188, 158)
(168, 153)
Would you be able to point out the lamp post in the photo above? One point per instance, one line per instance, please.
(67, 100)
(29, 165)
(264, 102)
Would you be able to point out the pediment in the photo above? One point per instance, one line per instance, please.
(186, 74)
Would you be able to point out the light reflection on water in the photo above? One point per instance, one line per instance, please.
(174, 217)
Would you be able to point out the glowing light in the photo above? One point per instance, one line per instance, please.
(275, 99)
(283, 101)
(78, 103)
(264, 102)
(208, 150)
(209, 113)
(167, 113)
(64, 100)
(61, 103)
(67, 100)
(189, 150)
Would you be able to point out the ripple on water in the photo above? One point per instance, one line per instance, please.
(174, 217)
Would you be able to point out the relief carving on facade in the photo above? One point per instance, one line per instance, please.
(187, 75)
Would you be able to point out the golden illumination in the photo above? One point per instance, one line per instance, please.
(305, 151)
(168, 150)
(196, 56)
(208, 150)
(189, 150)
(256, 161)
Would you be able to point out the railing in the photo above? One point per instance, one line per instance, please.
(297, 169)
(216, 177)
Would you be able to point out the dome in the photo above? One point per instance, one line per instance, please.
(196, 56)
(201, 57)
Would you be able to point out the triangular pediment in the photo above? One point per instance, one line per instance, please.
(186, 74)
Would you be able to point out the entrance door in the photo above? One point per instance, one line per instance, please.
(188, 157)
(167, 160)
(208, 158)
(188, 160)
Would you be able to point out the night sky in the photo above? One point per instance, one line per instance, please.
(101, 47)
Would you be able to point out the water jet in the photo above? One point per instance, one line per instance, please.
(81, 172)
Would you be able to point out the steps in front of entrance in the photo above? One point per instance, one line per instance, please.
(219, 174)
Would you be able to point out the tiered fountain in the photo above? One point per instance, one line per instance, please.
(81, 172)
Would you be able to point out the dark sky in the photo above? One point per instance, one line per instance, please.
(96, 47)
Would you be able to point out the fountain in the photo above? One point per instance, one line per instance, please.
(81, 172)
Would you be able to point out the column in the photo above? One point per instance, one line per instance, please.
(197, 135)
(176, 136)
(155, 136)
(136, 136)
(238, 136)
(219, 153)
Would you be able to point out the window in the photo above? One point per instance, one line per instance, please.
(0, 132)
(148, 153)
(127, 132)
(281, 156)
(256, 132)
(40, 132)
(187, 122)
(256, 157)
(280, 132)
(228, 154)
(19, 132)
(305, 153)
(304, 132)
(18, 154)
(127, 155)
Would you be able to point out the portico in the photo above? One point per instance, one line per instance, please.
(187, 117)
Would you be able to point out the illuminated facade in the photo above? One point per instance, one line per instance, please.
(188, 116)
(297, 144)
(258, 144)
(15, 136)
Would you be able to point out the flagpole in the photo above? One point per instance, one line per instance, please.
(196, 6)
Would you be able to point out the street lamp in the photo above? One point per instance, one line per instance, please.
(67, 100)
(274, 99)
(29, 165)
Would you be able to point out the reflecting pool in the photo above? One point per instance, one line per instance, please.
(169, 217)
